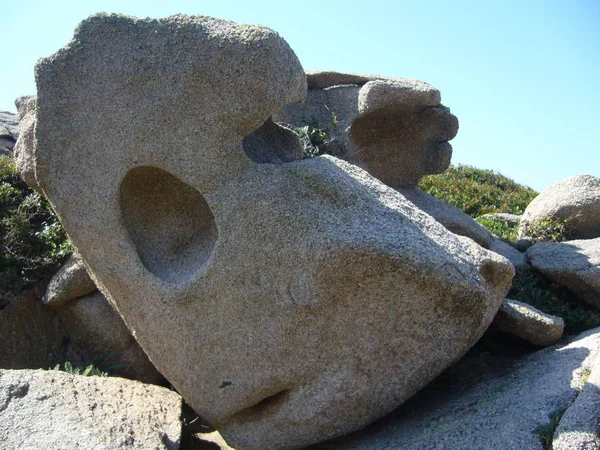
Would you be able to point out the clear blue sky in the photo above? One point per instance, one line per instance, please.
(522, 76)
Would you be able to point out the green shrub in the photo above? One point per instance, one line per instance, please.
(91, 370)
(33, 243)
(500, 228)
(549, 230)
(478, 192)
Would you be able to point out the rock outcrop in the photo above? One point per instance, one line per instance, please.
(575, 200)
(529, 323)
(497, 404)
(56, 410)
(8, 132)
(288, 303)
(573, 264)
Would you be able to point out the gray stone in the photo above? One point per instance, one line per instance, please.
(288, 303)
(56, 410)
(573, 264)
(523, 244)
(25, 104)
(517, 258)
(485, 403)
(70, 282)
(529, 323)
(575, 199)
(450, 216)
(272, 143)
(579, 427)
(25, 146)
(98, 333)
(30, 335)
(510, 219)
(9, 121)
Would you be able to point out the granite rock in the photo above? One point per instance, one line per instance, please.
(70, 282)
(573, 264)
(529, 323)
(24, 148)
(56, 410)
(313, 298)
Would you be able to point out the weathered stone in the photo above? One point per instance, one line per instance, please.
(450, 216)
(30, 335)
(402, 131)
(25, 104)
(517, 258)
(9, 121)
(573, 264)
(575, 199)
(25, 146)
(272, 143)
(56, 410)
(491, 403)
(529, 323)
(70, 282)
(579, 427)
(98, 333)
(308, 298)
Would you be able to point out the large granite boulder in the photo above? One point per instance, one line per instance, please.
(56, 410)
(575, 200)
(573, 264)
(288, 303)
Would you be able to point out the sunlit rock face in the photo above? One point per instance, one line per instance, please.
(287, 301)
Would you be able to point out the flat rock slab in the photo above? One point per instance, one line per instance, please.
(56, 410)
(485, 403)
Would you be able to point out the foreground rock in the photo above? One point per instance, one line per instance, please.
(70, 282)
(579, 427)
(529, 323)
(573, 264)
(313, 298)
(493, 403)
(52, 409)
(575, 199)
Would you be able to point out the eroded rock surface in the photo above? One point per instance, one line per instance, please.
(289, 302)
(56, 410)
(24, 147)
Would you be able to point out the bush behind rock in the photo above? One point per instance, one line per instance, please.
(33, 243)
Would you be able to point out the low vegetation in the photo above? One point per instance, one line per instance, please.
(33, 243)
(478, 192)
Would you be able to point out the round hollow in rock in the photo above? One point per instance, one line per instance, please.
(169, 222)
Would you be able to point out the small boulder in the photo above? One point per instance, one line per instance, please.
(509, 219)
(529, 323)
(70, 282)
(573, 264)
(56, 410)
(575, 200)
